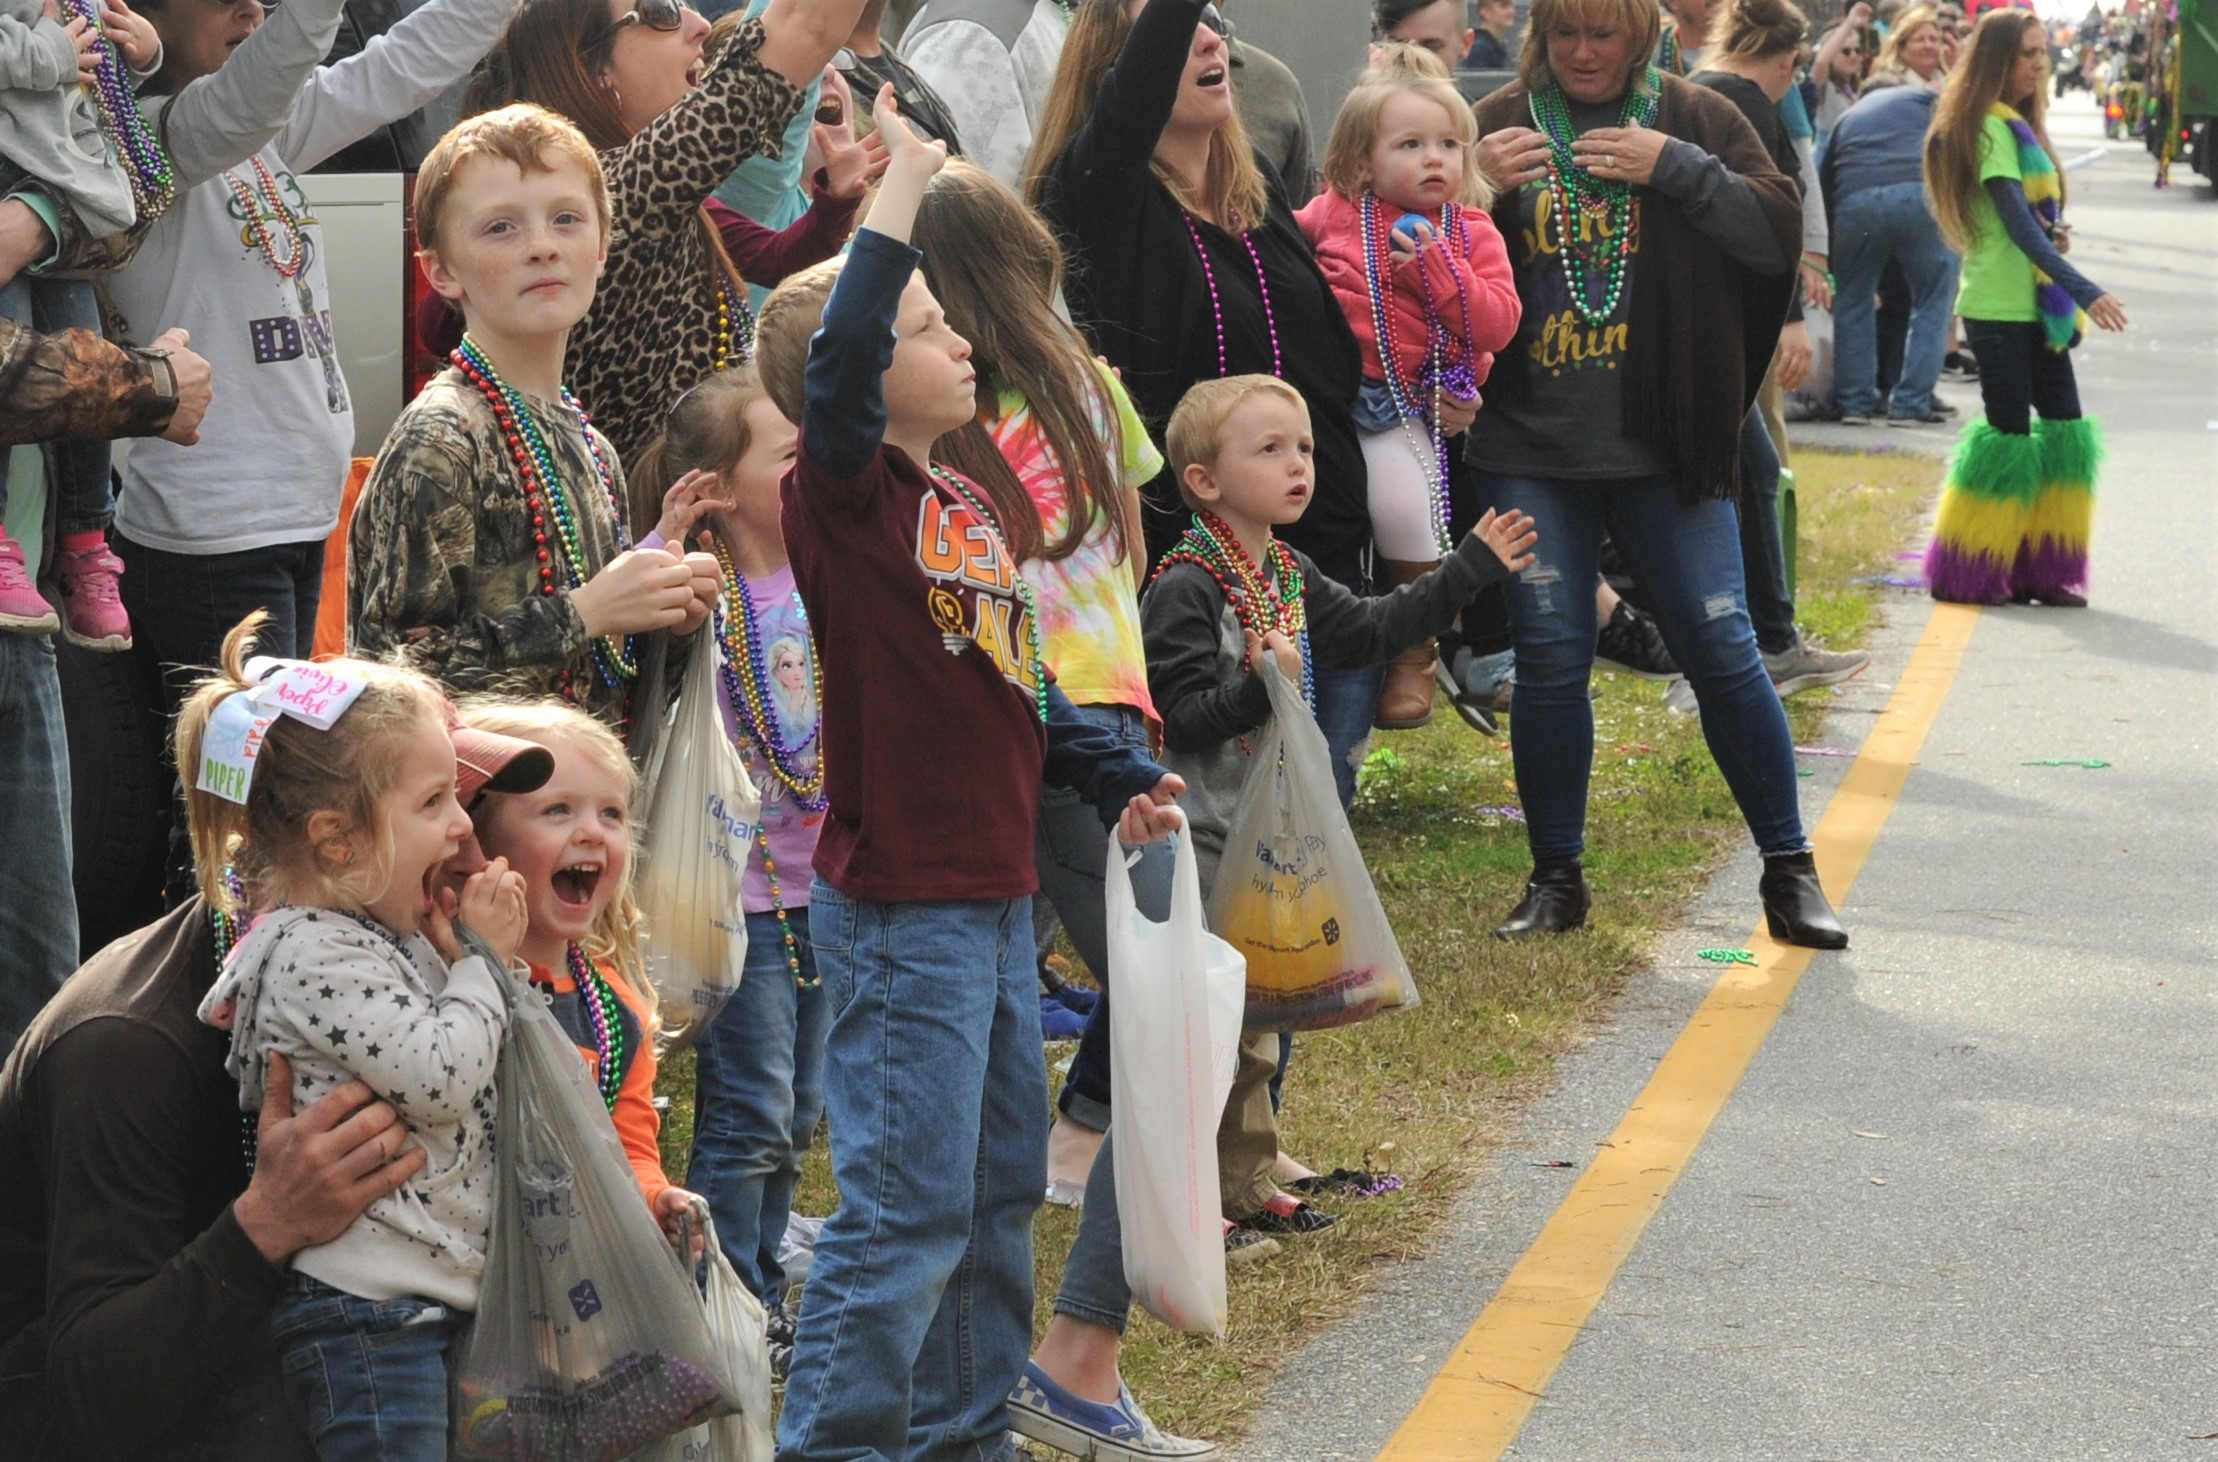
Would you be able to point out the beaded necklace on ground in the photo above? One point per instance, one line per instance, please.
(545, 497)
(1260, 603)
(1216, 305)
(747, 690)
(265, 191)
(1441, 373)
(152, 183)
(1576, 193)
(975, 500)
(606, 1016)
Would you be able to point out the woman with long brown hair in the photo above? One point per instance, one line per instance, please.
(1654, 243)
(670, 308)
(2020, 501)
(1186, 264)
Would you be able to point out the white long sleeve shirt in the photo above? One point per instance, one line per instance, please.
(993, 63)
(273, 450)
(344, 999)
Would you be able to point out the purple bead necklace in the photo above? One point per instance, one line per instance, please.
(1216, 304)
(152, 183)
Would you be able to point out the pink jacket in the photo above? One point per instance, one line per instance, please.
(1334, 225)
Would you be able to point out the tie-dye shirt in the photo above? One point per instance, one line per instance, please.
(1088, 604)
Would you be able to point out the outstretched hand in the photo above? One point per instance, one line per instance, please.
(1511, 535)
(904, 149)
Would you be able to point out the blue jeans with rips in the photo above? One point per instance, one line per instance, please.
(368, 1378)
(1870, 227)
(1688, 559)
(758, 1089)
(917, 1316)
(38, 906)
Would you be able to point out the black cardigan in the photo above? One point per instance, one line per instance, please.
(1139, 292)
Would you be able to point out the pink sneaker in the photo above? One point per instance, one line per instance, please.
(92, 609)
(23, 610)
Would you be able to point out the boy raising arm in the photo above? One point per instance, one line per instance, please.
(938, 714)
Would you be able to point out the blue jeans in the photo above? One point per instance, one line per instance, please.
(79, 492)
(367, 1378)
(758, 1084)
(917, 1316)
(1688, 560)
(1763, 557)
(1871, 227)
(183, 604)
(1071, 853)
(1346, 702)
(38, 907)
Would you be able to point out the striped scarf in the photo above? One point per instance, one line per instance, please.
(2061, 320)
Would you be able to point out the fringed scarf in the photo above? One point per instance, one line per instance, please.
(2061, 320)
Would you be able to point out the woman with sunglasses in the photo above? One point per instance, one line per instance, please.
(670, 308)
(211, 532)
(1837, 70)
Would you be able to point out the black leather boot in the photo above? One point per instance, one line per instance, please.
(1796, 907)
(1555, 901)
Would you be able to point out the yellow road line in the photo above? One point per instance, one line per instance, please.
(1481, 1397)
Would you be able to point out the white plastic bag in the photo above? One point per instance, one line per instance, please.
(1292, 894)
(702, 815)
(1174, 1039)
(740, 1328)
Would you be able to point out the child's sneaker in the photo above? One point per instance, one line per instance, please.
(92, 607)
(1286, 1214)
(23, 610)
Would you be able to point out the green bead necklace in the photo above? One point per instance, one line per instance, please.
(1576, 194)
(973, 499)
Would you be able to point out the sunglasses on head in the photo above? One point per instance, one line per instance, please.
(653, 14)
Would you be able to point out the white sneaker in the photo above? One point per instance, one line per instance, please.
(1805, 667)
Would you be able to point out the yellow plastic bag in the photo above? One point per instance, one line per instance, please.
(1292, 894)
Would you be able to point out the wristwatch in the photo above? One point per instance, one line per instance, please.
(162, 373)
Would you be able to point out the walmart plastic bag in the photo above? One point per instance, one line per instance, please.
(1292, 894)
(702, 818)
(590, 1341)
(741, 1331)
(1174, 1038)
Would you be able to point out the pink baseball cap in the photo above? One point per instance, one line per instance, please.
(488, 761)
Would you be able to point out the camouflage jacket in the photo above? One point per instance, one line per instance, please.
(441, 563)
(74, 384)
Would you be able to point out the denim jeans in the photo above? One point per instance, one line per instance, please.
(1763, 556)
(183, 604)
(1687, 558)
(1071, 852)
(38, 907)
(2027, 375)
(79, 491)
(917, 1315)
(758, 1089)
(368, 1378)
(1346, 702)
(1871, 227)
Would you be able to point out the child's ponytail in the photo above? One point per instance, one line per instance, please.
(298, 771)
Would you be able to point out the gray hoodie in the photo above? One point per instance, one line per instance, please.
(50, 125)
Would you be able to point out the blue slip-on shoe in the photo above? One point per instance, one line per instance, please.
(1058, 1022)
(1042, 1411)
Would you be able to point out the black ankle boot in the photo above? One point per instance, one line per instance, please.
(1555, 900)
(1796, 907)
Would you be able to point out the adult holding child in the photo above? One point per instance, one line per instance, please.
(1619, 406)
(2020, 503)
(1187, 265)
(670, 307)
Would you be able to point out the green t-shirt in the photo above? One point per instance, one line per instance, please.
(1998, 277)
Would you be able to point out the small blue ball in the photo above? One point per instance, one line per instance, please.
(1406, 226)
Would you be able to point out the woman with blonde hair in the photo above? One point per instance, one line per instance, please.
(1915, 52)
(1187, 264)
(1654, 243)
(2020, 501)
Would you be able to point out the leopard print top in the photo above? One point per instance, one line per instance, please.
(652, 330)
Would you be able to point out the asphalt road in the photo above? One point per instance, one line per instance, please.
(2020, 1046)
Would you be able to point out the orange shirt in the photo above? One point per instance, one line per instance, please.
(636, 1120)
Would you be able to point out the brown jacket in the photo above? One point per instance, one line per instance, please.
(1703, 328)
(74, 384)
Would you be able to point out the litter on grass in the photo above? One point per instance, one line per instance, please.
(1507, 814)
